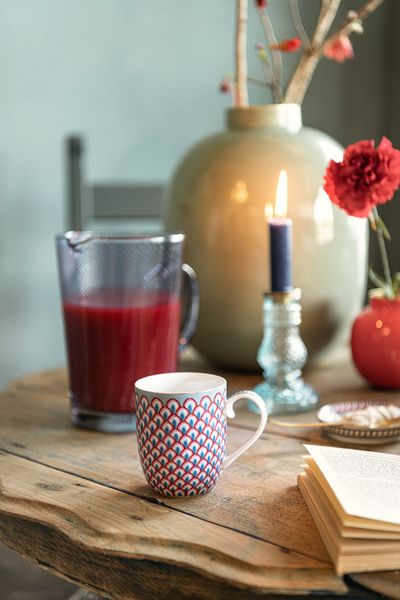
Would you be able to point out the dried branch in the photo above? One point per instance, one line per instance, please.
(269, 75)
(326, 17)
(298, 24)
(353, 17)
(241, 92)
(259, 82)
(300, 79)
(276, 70)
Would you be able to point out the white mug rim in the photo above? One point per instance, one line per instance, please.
(166, 384)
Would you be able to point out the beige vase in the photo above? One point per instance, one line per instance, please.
(218, 195)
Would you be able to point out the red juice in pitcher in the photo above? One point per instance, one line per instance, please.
(113, 341)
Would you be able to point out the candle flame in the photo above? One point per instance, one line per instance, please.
(280, 209)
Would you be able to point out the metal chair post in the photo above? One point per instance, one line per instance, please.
(75, 189)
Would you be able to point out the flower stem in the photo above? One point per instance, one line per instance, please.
(384, 256)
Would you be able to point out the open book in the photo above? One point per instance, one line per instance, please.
(354, 499)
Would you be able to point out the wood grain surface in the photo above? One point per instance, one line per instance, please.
(76, 502)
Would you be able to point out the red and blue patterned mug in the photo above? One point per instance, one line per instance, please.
(181, 430)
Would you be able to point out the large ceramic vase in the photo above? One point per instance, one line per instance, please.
(218, 195)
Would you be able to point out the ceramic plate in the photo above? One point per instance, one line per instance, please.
(332, 413)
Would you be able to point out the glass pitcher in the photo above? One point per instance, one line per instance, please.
(121, 297)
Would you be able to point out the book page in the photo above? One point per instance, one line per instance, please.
(367, 484)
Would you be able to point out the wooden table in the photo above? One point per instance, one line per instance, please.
(76, 503)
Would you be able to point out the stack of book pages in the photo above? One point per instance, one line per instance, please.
(354, 499)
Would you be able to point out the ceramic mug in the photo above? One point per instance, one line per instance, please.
(181, 430)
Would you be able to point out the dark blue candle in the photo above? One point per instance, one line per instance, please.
(280, 236)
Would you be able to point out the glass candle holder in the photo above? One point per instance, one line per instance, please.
(282, 355)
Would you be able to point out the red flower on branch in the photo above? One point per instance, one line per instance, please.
(289, 45)
(366, 177)
(340, 49)
(261, 4)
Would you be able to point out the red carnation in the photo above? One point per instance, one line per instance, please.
(261, 3)
(366, 177)
(289, 45)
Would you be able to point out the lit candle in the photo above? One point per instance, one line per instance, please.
(280, 235)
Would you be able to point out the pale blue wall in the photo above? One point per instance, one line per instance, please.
(140, 80)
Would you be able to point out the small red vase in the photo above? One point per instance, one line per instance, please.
(375, 341)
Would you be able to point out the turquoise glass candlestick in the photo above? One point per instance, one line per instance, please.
(282, 355)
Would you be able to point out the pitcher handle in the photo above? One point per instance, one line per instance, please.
(230, 413)
(189, 325)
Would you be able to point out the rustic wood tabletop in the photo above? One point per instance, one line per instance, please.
(75, 502)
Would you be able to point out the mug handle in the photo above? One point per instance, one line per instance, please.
(230, 413)
(189, 325)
